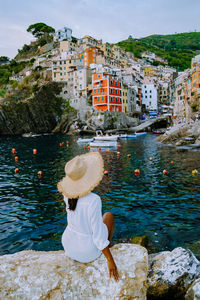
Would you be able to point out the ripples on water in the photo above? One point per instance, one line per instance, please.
(32, 213)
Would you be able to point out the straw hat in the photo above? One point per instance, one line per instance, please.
(83, 174)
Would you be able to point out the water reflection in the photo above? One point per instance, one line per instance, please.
(32, 213)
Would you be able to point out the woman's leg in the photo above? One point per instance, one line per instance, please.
(108, 219)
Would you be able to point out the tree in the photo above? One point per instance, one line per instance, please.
(40, 29)
(4, 59)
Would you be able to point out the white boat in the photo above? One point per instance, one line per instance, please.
(131, 136)
(84, 141)
(100, 137)
(140, 133)
(103, 144)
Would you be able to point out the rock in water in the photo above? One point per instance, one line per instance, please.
(50, 275)
(193, 292)
(171, 273)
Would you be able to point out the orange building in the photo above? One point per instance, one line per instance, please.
(106, 92)
(89, 56)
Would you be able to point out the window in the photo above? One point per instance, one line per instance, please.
(60, 74)
(145, 92)
(145, 96)
(60, 62)
(93, 55)
(54, 75)
(111, 82)
(150, 91)
(64, 68)
(98, 98)
(98, 91)
(120, 92)
(115, 99)
(64, 73)
(111, 91)
(102, 97)
(99, 76)
(94, 91)
(150, 96)
(111, 99)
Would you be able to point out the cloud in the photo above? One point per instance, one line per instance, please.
(111, 20)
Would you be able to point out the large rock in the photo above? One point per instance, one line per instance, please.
(50, 275)
(171, 273)
(193, 292)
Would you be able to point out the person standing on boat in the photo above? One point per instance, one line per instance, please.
(87, 234)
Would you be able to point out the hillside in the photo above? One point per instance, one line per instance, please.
(178, 49)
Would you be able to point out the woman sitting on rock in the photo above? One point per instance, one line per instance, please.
(87, 233)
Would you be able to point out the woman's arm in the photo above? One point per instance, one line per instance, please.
(112, 268)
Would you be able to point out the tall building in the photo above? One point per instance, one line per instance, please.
(106, 91)
(150, 95)
(63, 34)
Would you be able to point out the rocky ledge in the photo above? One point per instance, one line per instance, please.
(182, 135)
(50, 275)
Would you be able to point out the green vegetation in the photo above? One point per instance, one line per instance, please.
(68, 108)
(10, 69)
(2, 92)
(39, 30)
(4, 59)
(177, 49)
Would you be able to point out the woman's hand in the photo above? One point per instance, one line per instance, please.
(112, 268)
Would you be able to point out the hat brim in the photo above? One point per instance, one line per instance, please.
(93, 175)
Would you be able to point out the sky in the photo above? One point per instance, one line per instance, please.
(110, 20)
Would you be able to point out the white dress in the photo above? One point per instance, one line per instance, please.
(86, 234)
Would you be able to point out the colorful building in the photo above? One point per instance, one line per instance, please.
(106, 92)
(125, 99)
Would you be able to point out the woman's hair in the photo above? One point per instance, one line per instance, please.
(72, 202)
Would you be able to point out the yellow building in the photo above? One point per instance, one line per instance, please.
(60, 68)
(67, 46)
(195, 82)
(148, 71)
(125, 99)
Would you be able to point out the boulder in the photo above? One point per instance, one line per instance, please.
(50, 275)
(171, 273)
(193, 292)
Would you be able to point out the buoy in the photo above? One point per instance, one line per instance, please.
(172, 161)
(164, 172)
(67, 142)
(99, 148)
(195, 172)
(17, 170)
(118, 146)
(107, 151)
(128, 155)
(39, 173)
(105, 172)
(150, 158)
(118, 153)
(88, 147)
(34, 151)
(60, 144)
(137, 172)
(16, 158)
(13, 150)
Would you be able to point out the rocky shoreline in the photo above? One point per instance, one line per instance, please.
(183, 135)
(167, 275)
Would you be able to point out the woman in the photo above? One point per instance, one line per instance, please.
(87, 233)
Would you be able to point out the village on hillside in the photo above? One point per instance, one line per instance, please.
(106, 77)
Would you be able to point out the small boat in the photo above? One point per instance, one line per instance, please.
(30, 134)
(103, 144)
(131, 136)
(100, 137)
(159, 131)
(140, 133)
(85, 141)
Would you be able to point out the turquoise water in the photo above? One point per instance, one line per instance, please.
(32, 213)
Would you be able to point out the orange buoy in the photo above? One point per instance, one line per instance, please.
(118, 153)
(34, 151)
(164, 172)
(67, 142)
(17, 170)
(99, 148)
(150, 158)
(60, 144)
(105, 172)
(88, 147)
(39, 173)
(16, 158)
(137, 172)
(107, 151)
(128, 155)
(13, 150)
(118, 146)
(172, 161)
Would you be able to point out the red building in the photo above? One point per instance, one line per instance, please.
(106, 92)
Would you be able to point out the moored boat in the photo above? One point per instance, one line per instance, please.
(103, 144)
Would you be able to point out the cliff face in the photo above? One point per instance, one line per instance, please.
(38, 114)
